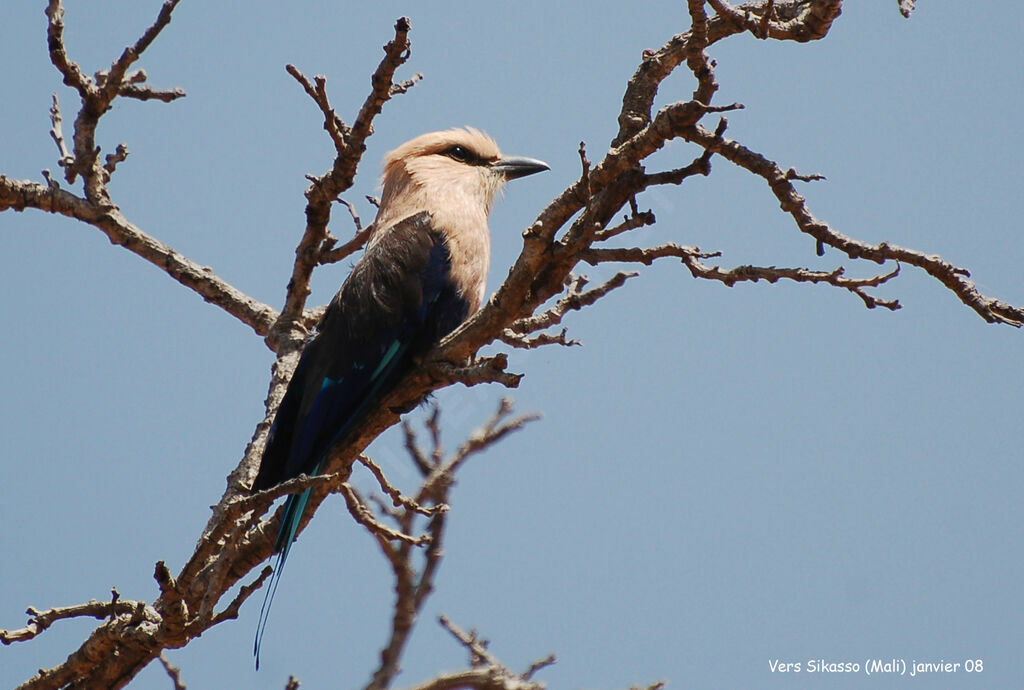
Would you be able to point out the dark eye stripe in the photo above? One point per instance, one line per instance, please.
(463, 155)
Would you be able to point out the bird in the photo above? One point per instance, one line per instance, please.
(422, 274)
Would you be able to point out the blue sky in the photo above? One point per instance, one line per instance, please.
(722, 477)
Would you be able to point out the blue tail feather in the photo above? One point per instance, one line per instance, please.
(294, 507)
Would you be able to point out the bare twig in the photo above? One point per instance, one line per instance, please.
(483, 370)
(479, 655)
(346, 250)
(404, 85)
(334, 125)
(537, 665)
(496, 428)
(523, 342)
(574, 300)
(97, 95)
(696, 59)
(230, 612)
(584, 183)
(691, 256)
(172, 671)
(131, 53)
(415, 452)
(352, 212)
(792, 173)
(398, 499)
(171, 604)
(362, 514)
(700, 166)
(630, 222)
(147, 93)
(119, 156)
(57, 134)
(396, 52)
(41, 620)
(53, 184)
(73, 75)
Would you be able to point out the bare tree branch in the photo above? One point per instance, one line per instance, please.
(486, 670)
(953, 277)
(21, 194)
(41, 620)
(496, 428)
(781, 21)
(412, 587)
(350, 145)
(484, 678)
(96, 96)
(96, 207)
(691, 256)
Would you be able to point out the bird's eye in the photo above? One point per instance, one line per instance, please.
(460, 154)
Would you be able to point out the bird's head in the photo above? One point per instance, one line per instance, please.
(456, 168)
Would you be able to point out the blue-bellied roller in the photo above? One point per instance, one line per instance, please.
(423, 273)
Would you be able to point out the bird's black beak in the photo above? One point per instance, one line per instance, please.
(511, 167)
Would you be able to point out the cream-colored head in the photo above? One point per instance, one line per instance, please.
(455, 175)
(457, 171)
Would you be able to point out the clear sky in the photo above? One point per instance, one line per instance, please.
(722, 477)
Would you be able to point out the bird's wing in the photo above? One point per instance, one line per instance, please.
(397, 303)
